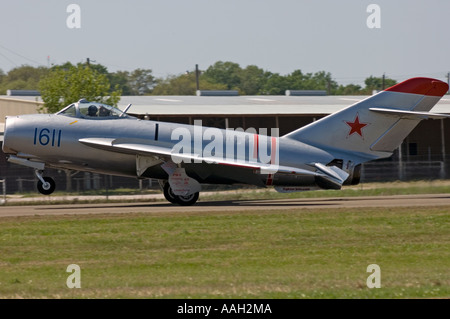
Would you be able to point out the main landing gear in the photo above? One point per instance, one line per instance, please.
(45, 185)
(178, 199)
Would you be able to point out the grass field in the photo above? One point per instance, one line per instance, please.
(265, 254)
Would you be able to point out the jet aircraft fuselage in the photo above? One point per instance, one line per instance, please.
(328, 153)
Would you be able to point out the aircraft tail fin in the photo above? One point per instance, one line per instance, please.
(376, 126)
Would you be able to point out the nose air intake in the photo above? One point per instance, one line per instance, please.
(7, 143)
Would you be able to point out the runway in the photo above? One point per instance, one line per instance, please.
(229, 206)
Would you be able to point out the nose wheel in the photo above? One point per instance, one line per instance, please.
(45, 185)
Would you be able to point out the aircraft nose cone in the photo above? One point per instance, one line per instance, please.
(7, 137)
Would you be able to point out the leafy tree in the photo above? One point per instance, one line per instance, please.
(323, 81)
(276, 84)
(374, 83)
(350, 89)
(312, 81)
(252, 80)
(121, 79)
(297, 81)
(227, 73)
(184, 84)
(66, 66)
(137, 82)
(141, 81)
(175, 85)
(24, 77)
(61, 87)
(100, 69)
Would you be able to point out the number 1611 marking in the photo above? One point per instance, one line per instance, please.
(45, 136)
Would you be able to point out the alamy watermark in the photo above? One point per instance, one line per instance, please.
(73, 280)
(230, 146)
(73, 21)
(374, 280)
(374, 19)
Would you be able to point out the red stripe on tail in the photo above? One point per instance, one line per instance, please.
(423, 86)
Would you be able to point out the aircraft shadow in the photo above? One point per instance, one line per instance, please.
(313, 202)
(225, 203)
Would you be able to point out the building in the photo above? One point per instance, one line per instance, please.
(423, 155)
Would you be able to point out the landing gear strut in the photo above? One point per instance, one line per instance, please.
(178, 199)
(45, 185)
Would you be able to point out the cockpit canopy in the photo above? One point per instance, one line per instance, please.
(91, 110)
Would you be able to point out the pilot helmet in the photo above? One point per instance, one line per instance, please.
(92, 110)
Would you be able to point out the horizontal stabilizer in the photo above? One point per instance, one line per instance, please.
(333, 172)
(412, 115)
(330, 177)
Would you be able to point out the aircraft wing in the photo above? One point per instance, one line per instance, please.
(163, 152)
(127, 146)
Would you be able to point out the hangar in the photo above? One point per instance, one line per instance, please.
(423, 155)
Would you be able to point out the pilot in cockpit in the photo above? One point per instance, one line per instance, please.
(92, 110)
(104, 111)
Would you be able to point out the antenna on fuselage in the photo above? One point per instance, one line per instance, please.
(126, 109)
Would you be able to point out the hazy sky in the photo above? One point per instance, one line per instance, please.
(171, 36)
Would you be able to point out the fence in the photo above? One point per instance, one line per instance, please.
(3, 200)
(386, 171)
(17, 179)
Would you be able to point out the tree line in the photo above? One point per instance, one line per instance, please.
(95, 81)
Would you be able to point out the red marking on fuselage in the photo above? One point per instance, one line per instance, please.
(269, 181)
(273, 151)
(255, 146)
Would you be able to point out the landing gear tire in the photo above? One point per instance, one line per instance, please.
(187, 200)
(168, 194)
(48, 187)
(177, 199)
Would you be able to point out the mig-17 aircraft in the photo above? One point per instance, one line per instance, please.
(326, 154)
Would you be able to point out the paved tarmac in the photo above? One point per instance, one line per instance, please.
(228, 206)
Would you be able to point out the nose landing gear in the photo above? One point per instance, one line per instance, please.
(45, 185)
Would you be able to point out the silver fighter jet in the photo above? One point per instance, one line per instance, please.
(325, 154)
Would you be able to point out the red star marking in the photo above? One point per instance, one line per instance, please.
(356, 126)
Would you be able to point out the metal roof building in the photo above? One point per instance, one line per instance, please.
(224, 105)
(247, 105)
(237, 105)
